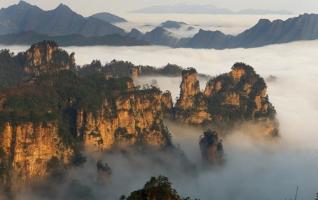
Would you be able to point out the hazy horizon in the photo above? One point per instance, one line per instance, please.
(121, 6)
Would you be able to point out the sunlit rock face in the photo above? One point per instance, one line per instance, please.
(27, 150)
(46, 57)
(191, 107)
(58, 121)
(134, 118)
(211, 148)
(240, 95)
(131, 119)
(167, 103)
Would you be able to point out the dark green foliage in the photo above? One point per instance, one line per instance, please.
(57, 97)
(248, 69)
(124, 69)
(168, 70)
(28, 38)
(189, 71)
(157, 188)
(11, 71)
(232, 113)
(104, 167)
(211, 140)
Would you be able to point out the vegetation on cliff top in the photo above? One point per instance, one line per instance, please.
(157, 188)
(247, 87)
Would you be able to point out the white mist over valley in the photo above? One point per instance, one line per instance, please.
(229, 24)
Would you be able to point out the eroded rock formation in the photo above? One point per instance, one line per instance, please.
(191, 107)
(27, 149)
(240, 95)
(133, 118)
(46, 57)
(43, 122)
(211, 147)
(104, 172)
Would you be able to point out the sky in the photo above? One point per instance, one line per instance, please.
(88, 7)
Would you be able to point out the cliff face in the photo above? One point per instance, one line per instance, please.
(124, 119)
(43, 120)
(167, 103)
(27, 149)
(131, 119)
(235, 96)
(46, 57)
(191, 107)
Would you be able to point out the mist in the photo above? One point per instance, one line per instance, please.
(254, 168)
(229, 24)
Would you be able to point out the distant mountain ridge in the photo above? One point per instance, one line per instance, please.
(25, 24)
(265, 32)
(108, 17)
(62, 20)
(27, 38)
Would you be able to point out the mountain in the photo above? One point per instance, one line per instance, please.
(303, 27)
(206, 9)
(59, 21)
(172, 24)
(209, 39)
(108, 17)
(25, 24)
(27, 38)
(265, 32)
(160, 36)
(135, 33)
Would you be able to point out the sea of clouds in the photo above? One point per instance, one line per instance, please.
(229, 24)
(254, 169)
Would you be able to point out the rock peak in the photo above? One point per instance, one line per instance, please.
(23, 4)
(63, 7)
(46, 57)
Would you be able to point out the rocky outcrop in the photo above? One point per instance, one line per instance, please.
(133, 118)
(46, 57)
(104, 172)
(240, 95)
(28, 149)
(44, 123)
(191, 107)
(167, 103)
(211, 147)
